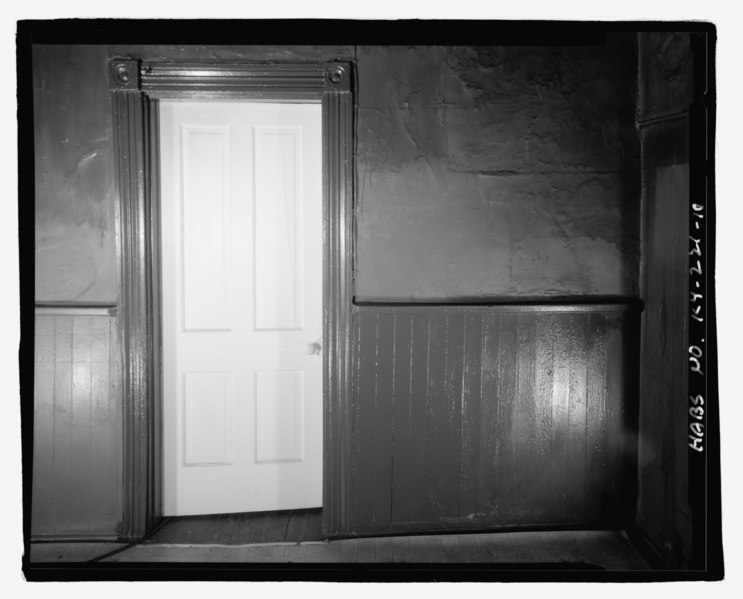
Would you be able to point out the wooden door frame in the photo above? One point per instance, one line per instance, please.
(135, 88)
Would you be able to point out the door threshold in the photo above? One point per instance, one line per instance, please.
(235, 546)
(242, 529)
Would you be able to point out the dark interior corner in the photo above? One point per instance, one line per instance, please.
(519, 326)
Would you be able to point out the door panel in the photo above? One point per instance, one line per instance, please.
(278, 265)
(242, 303)
(208, 416)
(279, 416)
(205, 171)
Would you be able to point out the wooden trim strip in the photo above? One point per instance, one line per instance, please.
(510, 305)
(135, 300)
(337, 118)
(664, 118)
(153, 162)
(67, 537)
(74, 309)
(546, 308)
(294, 82)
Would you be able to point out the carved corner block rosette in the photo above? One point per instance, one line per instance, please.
(124, 74)
(337, 76)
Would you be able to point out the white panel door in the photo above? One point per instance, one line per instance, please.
(241, 238)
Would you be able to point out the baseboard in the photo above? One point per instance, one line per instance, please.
(75, 538)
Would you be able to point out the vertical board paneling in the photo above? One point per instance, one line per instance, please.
(472, 417)
(559, 457)
(77, 441)
(43, 466)
(489, 365)
(383, 420)
(402, 447)
(507, 502)
(364, 430)
(353, 513)
(437, 423)
(576, 465)
(105, 439)
(415, 468)
(451, 468)
(81, 425)
(523, 420)
(596, 422)
(615, 372)
(545, 331)
(65, 492)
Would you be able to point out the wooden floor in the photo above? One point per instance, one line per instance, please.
(291, 526)
(608, 550)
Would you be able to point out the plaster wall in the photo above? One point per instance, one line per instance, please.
(497, 171)
(481, 171)
(75, 192)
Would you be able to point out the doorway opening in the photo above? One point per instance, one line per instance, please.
(139, 91)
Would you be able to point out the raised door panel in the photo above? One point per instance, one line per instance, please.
(205, 154)
(278, 244)
(208, 421)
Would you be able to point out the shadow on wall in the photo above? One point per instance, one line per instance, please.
(497, 171)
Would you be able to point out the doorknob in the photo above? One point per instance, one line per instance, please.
(314, 348)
